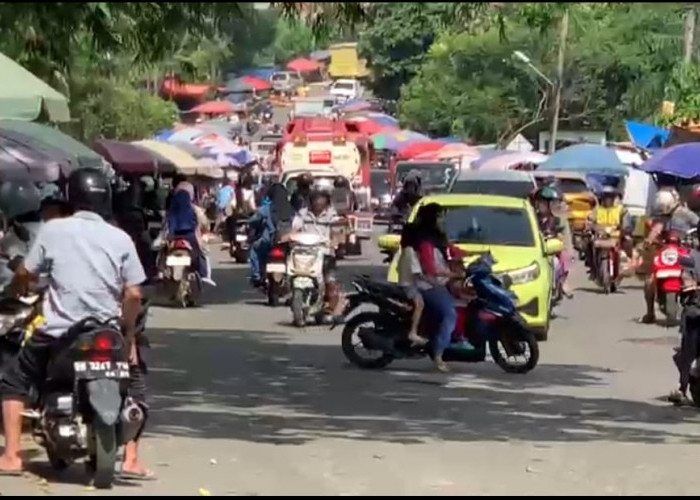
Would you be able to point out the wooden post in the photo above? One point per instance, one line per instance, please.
(689, 35)
(563, 33)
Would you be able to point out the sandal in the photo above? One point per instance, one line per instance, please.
(147, 475)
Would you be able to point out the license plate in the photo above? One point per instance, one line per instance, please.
(303, 282)
(670, 273)
(175, 260)
(275, 268)
(241, 237)
(101, 369)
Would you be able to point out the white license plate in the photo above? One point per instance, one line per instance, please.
(101, 369)
(241, 237)
(276, 268)
(671, 273)
(303, 282)
(176, 260)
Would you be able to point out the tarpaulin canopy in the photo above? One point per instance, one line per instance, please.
(397, 140)
(186, 134)
(19, 162)
(354, 105)
(456, 150)
(303, 65)
(370, 127)
(23, 96)
(228, 153)
(418, 148)
(587, 159)
(680, 161)
(264, 73)
(79, 153)
(237, 85)
(129, 159)
(646, 136)
(214, 108)
(506, 160)
(380, 119)
(184, 162)
(257, 83)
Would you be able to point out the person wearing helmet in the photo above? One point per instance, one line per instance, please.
(20, 203)
(93, 271)
(300, 197)
(608, 214)
(343, 198)
(407, 197)
(670, 216)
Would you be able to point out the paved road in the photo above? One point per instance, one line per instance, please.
(245, 404)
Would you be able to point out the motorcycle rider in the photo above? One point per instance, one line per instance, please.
(93, 270)
(300, 197)
(344, 200)
(608, 214)
(408, 196)
(20, 203)
(670, 215)
(547, 200)
(318, 219)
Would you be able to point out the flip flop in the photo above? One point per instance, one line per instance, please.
(148, 475)
(11, 473)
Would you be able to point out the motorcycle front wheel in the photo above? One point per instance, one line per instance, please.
(605, 277)
(671, 309)
(526, 347)
(298, 308)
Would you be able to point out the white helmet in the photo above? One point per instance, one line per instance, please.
(665, 201)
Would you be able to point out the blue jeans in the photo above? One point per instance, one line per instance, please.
(440, 304)
(258, 258)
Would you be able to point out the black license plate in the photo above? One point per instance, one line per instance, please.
(101, 369)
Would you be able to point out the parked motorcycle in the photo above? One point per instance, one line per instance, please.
(667, 275)
(305, 275)
(606, 258)
(181, 278)
(490, 318)
(83, 410)
(276, 281)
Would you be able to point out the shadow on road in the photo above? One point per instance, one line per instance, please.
(258, 387)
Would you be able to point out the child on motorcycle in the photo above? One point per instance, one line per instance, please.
(409, 268)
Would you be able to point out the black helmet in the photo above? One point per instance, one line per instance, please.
(548, 193)
(19, 198)
(305, 179)
(89, 189)
(340, 182)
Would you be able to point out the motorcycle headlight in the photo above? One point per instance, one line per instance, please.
(669, 257)
(525, 275)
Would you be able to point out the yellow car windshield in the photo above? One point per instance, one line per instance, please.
(488, 225)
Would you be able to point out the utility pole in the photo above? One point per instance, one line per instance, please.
(563, 33)
(689, 35)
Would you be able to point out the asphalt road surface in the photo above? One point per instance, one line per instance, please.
(245, 404)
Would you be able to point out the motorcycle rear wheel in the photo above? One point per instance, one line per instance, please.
(350, 349)
(273, 293)
(105, 453)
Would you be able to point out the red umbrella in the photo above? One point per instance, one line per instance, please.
(214, 108)
(127, 158)
(303, 65)
(369, 127)
(257, 83)
(420, 148)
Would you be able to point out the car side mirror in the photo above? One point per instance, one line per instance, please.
(553, 246)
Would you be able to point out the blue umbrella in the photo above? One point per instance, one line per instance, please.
(680, 161)
(646, 136)
(164, 135)
(587, 159)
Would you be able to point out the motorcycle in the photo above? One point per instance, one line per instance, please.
(276, 282)
(239, 244)
(83, 410)
(17, 318)
(267, 116)
(305, 275)
(557, 280)
(606, 258)
(181, 278)
(490, 318)
(667, 272)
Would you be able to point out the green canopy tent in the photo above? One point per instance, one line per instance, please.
(23, 96)
(82, 155)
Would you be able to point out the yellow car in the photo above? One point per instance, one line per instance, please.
(508, 228)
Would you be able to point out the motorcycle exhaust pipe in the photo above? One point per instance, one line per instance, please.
(133, 418)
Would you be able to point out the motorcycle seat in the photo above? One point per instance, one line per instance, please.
(386, 289)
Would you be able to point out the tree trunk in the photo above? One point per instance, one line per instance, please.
(563, 33)
(689, 35)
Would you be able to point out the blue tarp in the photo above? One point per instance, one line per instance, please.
(646, 136)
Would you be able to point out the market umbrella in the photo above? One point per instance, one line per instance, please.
(397, 140)
(129, 159)
(587, 159)
(228, 153)
(506, 160)
(184, 162)
(680, 161)
(23, 96)
(193, 150)
(303, 65)
(418, 148)
(456, 150)
(354, 105)
(257, 83)
(380, 119)
(78, 153)
(238, 85)
(370, 127)
(186, 134)
(18, 162)
(214, 108)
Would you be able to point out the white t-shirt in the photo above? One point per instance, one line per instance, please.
(409, 266)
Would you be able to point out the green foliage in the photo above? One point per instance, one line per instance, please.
(682, 90)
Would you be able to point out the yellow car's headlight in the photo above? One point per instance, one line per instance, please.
(525, 274)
